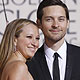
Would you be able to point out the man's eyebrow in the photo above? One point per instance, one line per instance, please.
(48, 17)
(62, 16)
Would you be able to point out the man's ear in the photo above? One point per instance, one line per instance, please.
(68, 24)
(38, 23)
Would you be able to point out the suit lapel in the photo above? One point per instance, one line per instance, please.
(43, 64)
(68, 63)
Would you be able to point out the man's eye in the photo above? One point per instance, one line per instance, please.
(48, 19)
(62, 19)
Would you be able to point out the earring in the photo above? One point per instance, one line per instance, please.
(14, 48)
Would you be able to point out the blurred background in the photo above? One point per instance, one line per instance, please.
(27, 9)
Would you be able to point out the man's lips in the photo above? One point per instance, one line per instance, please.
(55, 30)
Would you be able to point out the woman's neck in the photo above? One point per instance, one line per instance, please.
(17, 56)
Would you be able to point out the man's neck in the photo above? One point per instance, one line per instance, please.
(55, 45)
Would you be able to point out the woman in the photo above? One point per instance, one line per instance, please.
(20, 42)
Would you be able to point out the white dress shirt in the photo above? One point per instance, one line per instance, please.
(62, 59)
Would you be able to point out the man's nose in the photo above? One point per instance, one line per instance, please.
(55, 23)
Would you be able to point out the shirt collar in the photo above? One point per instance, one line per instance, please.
(48, 51)
(61, 51)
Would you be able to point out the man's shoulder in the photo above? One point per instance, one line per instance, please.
(39, 52)
(41, 49)
(73, 49)
(73, 46)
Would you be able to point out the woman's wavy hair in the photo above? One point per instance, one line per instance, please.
(13, 29)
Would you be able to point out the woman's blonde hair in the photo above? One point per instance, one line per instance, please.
(13, 29)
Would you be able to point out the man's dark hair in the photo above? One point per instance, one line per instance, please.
(46, 3)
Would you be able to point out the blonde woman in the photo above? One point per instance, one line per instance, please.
(20, 42)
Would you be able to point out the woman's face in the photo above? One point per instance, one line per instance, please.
(28, 41)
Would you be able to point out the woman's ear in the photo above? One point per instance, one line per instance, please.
(15, 41)
(38, 23)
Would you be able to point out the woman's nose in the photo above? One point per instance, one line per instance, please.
(34, 42)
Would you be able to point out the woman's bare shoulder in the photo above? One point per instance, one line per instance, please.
(16, 70)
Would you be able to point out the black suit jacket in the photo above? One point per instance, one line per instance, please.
(39, 69)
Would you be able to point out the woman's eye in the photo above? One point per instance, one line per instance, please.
(28, 36)
(37, 38)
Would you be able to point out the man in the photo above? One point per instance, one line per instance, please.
(53, 20)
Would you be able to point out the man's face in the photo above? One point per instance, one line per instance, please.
(54, 23)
